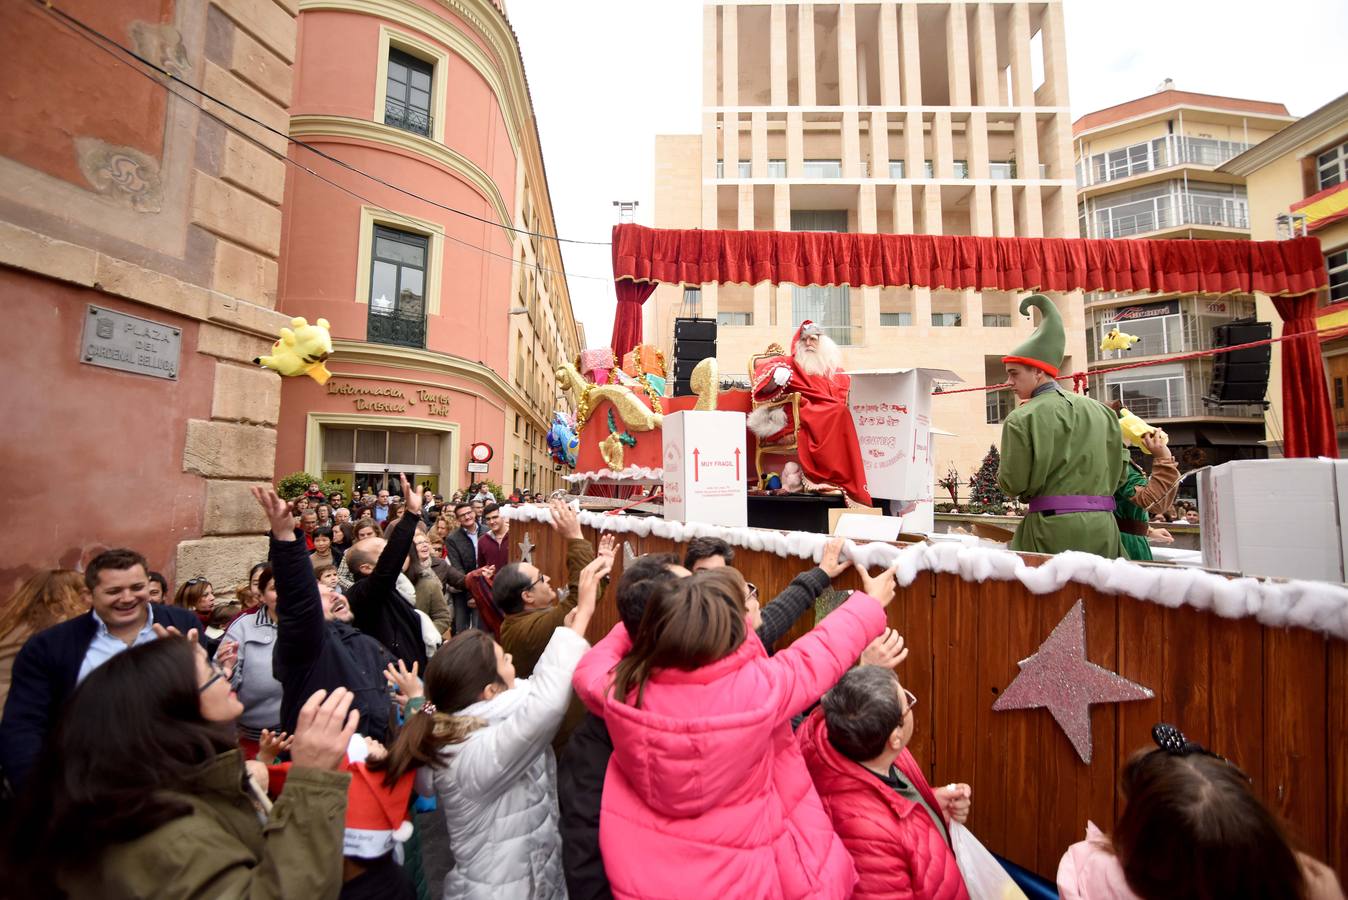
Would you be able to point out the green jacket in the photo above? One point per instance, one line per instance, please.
(1057, 444)
(222, 849)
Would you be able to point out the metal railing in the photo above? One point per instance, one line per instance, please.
(408, 118)
(1168, 212)
(394, 328)
(1161, 153)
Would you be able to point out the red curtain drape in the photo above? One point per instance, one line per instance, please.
(1308, 420)
(673, 256)
(627, 317)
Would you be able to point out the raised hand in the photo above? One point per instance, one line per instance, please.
(1157, 443)
(161, 632)
(405, 682)
(278, 513)
(832, 565)
(565, 520)
(881, 586)
(271, 745)
(411, 499)
(955, 800)
(887, 650)
(326, 723)
(228, 656)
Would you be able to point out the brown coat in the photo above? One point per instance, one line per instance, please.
(221, 849)
(525, 634)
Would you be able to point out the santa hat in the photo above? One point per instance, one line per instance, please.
(1045, 348)
(806, 327)
(376, 815)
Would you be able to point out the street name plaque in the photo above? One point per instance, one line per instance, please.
(116, 340)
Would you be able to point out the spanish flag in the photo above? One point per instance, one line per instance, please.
(1330, 205)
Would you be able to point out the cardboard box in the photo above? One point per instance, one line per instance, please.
(892, 412)
(706, 468)
(1277, 517)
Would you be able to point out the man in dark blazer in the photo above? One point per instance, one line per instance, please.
(54, 661)
(461, 551)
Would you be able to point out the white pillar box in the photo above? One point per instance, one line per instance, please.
(892, 412)
(706, 467)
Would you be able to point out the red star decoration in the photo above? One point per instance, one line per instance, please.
(1059, 678)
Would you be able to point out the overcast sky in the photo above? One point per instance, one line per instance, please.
(607, 76)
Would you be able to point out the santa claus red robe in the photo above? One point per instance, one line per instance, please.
(829, 450)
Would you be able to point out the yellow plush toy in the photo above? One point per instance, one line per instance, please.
(1116, 340)
(1133, 429)
(301, 350)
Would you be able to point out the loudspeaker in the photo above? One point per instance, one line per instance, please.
(683, 368)
(695, 330)
(1240, 376)
(682, 388)
(694, 349)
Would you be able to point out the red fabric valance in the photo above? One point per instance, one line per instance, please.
(671, 256)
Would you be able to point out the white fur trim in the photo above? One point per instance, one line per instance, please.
(1314, 605)
(765, 421)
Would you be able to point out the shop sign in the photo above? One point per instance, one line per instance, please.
(116, 340)
(373, 398)
(1216, 307)
(1143, 311)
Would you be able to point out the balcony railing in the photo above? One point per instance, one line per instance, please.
(408, 118)
(1161, 153)
(394, 328)
(1169, 212)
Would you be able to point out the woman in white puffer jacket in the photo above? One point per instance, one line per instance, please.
(482, 738)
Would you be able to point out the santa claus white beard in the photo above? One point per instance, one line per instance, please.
(825, 359)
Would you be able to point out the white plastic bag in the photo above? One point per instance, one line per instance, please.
(983, 875)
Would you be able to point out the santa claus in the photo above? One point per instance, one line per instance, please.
(829, 452)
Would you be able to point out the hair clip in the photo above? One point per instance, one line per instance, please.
(428, 709)
(1172, 741)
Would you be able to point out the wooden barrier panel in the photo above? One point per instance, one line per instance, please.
(1273, 701)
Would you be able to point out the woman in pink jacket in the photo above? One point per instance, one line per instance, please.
(706, 793)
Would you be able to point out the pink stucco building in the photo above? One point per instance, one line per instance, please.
(447, 327)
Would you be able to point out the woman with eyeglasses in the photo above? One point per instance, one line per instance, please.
(703, 754)
(1191, 828)
(142, 791)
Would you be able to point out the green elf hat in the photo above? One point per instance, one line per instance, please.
(1045, 348)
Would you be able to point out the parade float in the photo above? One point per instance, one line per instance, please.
(1038, 675)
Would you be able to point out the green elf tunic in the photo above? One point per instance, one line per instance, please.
(1057, 444)
(1137, 495)
(1135, 545)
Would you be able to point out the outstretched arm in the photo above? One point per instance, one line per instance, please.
(299, 608)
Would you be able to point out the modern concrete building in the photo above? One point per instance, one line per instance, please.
(926, 118)
(447, 326)
(139, 240)
(1298, 184)
(1148, 169)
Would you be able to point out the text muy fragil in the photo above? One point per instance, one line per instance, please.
(391, 399)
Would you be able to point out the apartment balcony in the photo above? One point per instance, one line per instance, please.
(1149, 156)
(393, 327)
(1164, 213)
(408, 118)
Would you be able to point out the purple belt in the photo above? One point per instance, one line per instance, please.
(1070, 503)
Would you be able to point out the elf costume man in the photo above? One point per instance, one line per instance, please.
(1061, 452)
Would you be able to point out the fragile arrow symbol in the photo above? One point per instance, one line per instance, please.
(697, 468)
(737, 463)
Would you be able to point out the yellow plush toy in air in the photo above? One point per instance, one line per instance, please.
(1133, 429)
(1115, 340)
(301, 350)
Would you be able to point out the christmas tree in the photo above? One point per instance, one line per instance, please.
(985, 495)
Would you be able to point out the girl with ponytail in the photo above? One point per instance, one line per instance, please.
(481, 743)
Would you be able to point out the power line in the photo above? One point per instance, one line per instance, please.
(165, 73)
(85, 32)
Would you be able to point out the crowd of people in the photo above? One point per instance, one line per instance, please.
(393, 654)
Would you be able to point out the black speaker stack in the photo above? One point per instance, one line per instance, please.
(694, 341)
(1240, 376)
